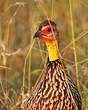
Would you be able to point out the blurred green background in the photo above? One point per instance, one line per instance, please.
(19, 20)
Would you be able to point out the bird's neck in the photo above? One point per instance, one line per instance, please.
(52, 48)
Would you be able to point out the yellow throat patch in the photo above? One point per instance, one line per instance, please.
(52, 50)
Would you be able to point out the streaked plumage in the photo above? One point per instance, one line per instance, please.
(56, 90)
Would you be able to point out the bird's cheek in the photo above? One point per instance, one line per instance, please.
(45, 39)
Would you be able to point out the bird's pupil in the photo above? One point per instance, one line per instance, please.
(49, 29)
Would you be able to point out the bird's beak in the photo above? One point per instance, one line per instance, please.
(37, 34)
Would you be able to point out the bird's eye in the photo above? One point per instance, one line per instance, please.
(49, 29)
(46, 30)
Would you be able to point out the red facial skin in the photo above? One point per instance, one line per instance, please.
(44, 39)
(45, 32)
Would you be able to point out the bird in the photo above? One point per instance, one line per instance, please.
(56, 89)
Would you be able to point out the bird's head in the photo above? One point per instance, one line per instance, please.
(48, 33)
